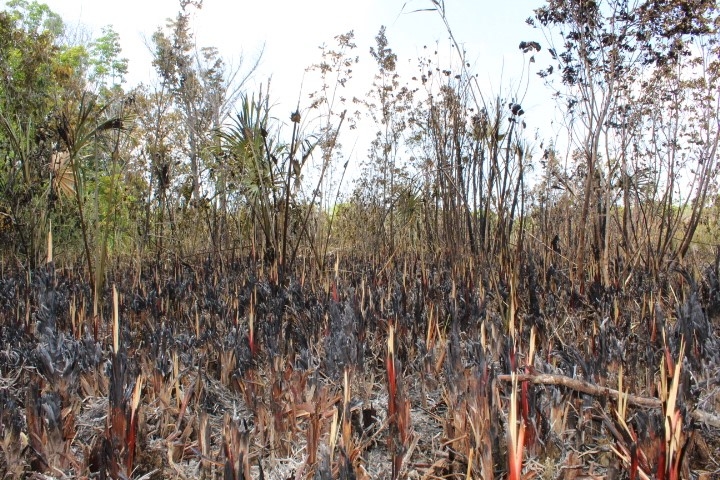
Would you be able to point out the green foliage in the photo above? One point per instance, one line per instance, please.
(36, 18)
(116, 210)
(264, 171)
(202, 90)
(106, 63)
(36, 70)
(85, 127)
(446, 169)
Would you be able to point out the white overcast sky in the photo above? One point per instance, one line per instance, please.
(291, 32)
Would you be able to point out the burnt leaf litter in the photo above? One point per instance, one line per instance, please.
(230, 370)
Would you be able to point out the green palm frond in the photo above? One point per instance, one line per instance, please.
(80, 127)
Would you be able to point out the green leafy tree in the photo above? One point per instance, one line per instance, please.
(35, 18)
(107, 66)
(160, 155)
(203, 90)
(83, 127)
(37, 72)
(267, 173)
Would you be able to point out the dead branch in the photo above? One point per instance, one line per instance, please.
(701, 416)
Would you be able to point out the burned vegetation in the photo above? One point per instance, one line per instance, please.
(488, 299)
(412, 372)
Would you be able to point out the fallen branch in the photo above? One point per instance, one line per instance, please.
(701, 416)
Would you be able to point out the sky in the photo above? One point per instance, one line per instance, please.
(290, 33)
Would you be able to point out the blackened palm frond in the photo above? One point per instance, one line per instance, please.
(477, 357)
(57, 357)
(161, 343)
(324, 471)
(692, 325)
(51, 407)
(533, 288)
(228, 471)
(117, 419)
(100, 455)
(453, 361)
(80, 123)
(346, 468)
(243, 354)
(341, 345)
(46, 316)
(610, 346)
(271, 326)
(11, 426)
(573, 363)
(68, 354)
(37, 434)
(711, 284)
(115, 123)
